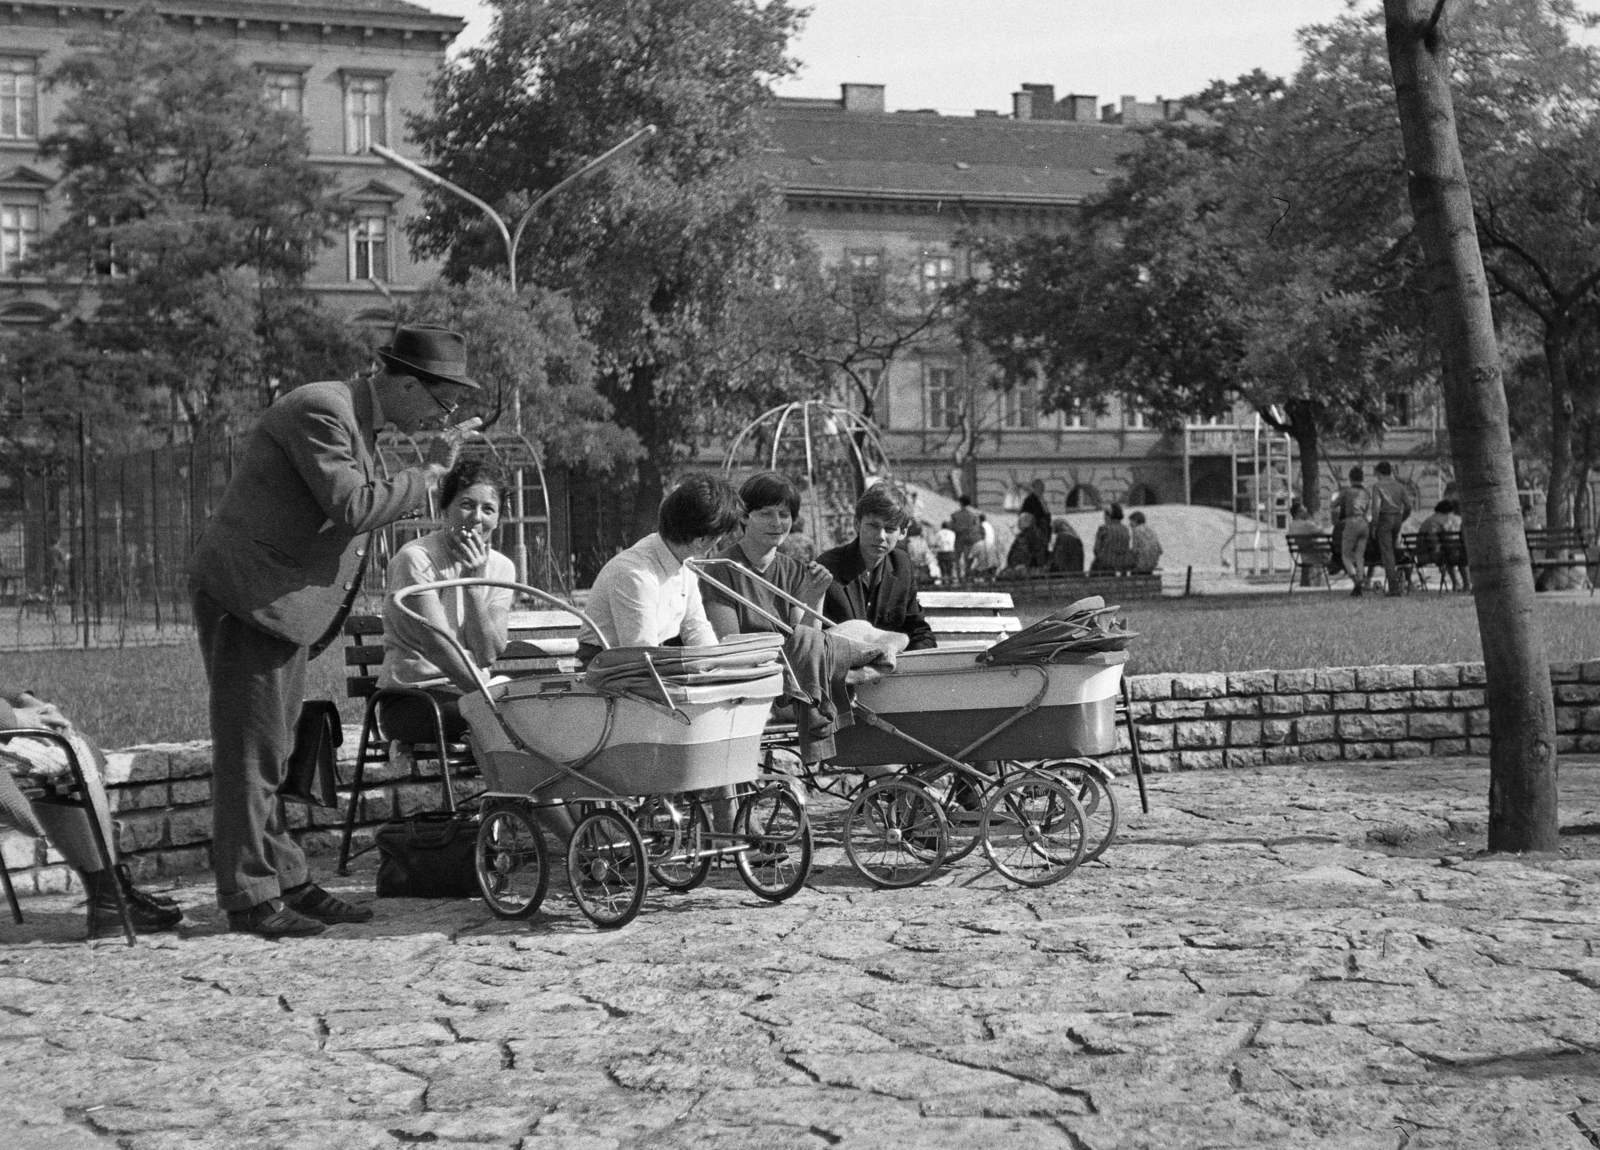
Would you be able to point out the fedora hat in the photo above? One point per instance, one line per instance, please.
(432, 354)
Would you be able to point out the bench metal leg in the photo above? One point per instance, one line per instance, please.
(1133, 744)
(11, 892)
(368, 725)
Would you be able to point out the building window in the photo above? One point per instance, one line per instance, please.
(1019, 407)
(19, 235)
(103, 258)
(19, 98)
(369, 248)
(286, 90)
(866, 278)
(1134, 418)
(941, 397)
(937, 273)
(364, 123)
(1397, 409)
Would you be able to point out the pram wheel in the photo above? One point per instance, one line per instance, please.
(1098, 800)
(895, 834)
(962, 798)
(512, 865)
(773, 824)
(1033, 830)
(677, 834)
(606, 867)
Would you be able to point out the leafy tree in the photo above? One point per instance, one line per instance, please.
(194, 207)
(656, 252)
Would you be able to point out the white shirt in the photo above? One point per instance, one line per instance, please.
(644, 597)
(428, 560)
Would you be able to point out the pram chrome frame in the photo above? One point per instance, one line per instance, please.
(914, 826)
(769, 826)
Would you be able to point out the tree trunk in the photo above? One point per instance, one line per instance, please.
(1558, 496)
(1522, 750)
(1309, 440)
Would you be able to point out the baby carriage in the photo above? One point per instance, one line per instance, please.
(623, 742)
(971, 745)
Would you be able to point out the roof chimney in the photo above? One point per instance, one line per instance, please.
(1080, 108)
(1044, 100)
(1022, 105)
(861, 97)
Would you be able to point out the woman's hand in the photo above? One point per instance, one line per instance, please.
(469, 549)
(31, 711)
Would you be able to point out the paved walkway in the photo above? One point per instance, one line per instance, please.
(1276, 958)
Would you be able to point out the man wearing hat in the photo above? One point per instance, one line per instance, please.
(273, 578)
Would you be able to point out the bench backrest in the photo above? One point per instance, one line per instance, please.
(1309, 548)
(544, 640)
(1556, 539)
(962, 616)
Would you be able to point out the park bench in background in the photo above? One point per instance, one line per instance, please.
(542, 640)
(1313, 553)
(963, 615)
(1554, 548)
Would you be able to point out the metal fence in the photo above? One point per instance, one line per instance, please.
(93, 550)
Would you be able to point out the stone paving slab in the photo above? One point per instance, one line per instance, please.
(1286, 957)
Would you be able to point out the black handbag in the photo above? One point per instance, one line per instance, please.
(309, 776)
(428, 856)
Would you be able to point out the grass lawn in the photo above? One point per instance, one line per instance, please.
(153, 694)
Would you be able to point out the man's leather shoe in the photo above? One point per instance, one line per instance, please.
(312, 901)
(125, 877)
(271, 919)
(146, 914)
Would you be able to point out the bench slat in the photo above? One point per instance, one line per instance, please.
(970, 600)
(362, 656)
(543, 620)
(955, 624)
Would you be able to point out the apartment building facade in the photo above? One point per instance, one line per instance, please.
(351, 68)
(886, 194)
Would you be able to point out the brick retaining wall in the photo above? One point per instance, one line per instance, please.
(161, 795)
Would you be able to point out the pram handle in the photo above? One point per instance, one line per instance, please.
(479, 673)
(696, 565)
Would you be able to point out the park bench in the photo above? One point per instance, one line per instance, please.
(1554, 548)
(965, 615)
(1310, 553)
(540, 641)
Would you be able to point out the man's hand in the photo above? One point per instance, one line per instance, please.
(446, 445)
(469, 550)
(32, 711)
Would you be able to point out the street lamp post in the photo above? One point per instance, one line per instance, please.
(511, 236)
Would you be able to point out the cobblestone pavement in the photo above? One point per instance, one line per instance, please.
(1285, 957)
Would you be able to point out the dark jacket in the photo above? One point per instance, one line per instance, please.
(896, 608)
(286, 546)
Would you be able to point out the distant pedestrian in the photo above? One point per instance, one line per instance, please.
(1034, 505)
(1146, 547)
(986, 555)
(969, 533)
(944, 552)
(1301, 523)
(1352, 512)
(922, 562)
(1390, 506)
(1066, 549)
(1113, 543)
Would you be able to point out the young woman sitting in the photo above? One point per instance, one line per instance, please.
(771, 504)
(416, 656)
(645, 596)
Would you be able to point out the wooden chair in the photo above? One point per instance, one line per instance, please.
(539, 641)
(1551, 548)
(1308, 552)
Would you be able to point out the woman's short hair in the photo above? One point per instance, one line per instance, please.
(470, 473)
(1137, 518)
(701, 505)
(886, 502)
(1115, 512)
(770, 489)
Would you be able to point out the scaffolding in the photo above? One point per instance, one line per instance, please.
(1260, 463)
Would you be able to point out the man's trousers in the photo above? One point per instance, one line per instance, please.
(1353, 549)
(257, 685)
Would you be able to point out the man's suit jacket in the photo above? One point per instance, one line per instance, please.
(896, 608)
(286, 547)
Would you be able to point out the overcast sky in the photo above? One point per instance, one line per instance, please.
(960, 55)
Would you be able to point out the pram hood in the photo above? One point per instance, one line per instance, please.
(1082, 627)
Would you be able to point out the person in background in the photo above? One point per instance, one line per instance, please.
(922, 562)
(1113, 543)
(1390, 506)
(1034, 505)
(1352, 510)
(65, 826)
(1301, 523)
(471, 497)
(645, 595)
(1439, 544)
(1146, 547)
(770, 503)
(986, 555)
(944, 552)
(969, 534)
(872, 580)
(1066, 550)
(273, 578)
